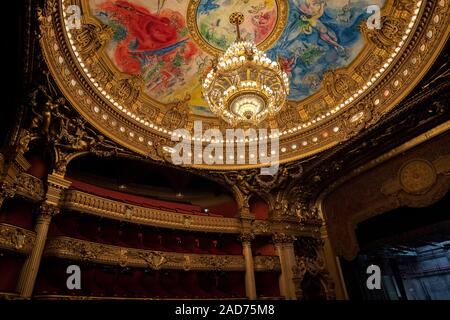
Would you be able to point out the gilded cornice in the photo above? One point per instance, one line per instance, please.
(87, 203)
(16, 239)
(84, 202)
(74, 249)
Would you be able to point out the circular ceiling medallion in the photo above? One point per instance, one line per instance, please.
(209, 27)
(417, 176)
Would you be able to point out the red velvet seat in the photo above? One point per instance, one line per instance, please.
(213, 247)
(190, 284)
(128, 283)
(193, 244)
(152, 241)
(10, 268)
(173, 243)
(55, 277)
(232, 247)
(89, 229)
(129, 237)
(151, 281)
(233, 283)
(105, 280)
(109, 233)
(170, 280)
(65, 225)
(89, 284)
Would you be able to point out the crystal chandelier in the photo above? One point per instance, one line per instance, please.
(244, 85)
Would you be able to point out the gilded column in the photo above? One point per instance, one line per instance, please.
(31, 267)
(285, 250)
(250, 286)
(56, 185)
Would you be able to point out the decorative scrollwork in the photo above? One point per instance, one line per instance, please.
(154, 260)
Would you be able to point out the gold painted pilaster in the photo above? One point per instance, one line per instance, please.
(250, 285)
(333, 267)
(285, 250)
(56, 185)
(31, 267)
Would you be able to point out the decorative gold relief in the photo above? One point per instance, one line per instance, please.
(417, 176)
(16, 239)
(48, 210)
(155, 260)
(84, 202)
(30, 186)
(404, 5)
(339, 84)
(370, 66)
(271, 263)
(128, 90)
(91, 38)
(389, 35)
(246, 237)
(313, 264)
(177, 114)
(288, 117)
(283, 238)
(68, 248)
(360, 117)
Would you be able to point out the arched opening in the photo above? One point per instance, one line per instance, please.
(259, 208)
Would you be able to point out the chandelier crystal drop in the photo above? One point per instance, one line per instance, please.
(244, 85)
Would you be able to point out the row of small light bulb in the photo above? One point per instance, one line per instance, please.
(368, 84)
(99, 88)
(302, 126)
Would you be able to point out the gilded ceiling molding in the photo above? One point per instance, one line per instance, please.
(74, 249)
(418, 182)
(16, 239)
(352, 99)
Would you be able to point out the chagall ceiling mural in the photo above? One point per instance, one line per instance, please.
(169, 43)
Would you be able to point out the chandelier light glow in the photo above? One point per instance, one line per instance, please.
(244, 85)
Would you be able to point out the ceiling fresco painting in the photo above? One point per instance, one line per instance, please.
(134, 69)
(152, 39)
(319, 36)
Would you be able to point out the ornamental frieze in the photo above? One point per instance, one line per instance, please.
(75, 249)
(16, 239)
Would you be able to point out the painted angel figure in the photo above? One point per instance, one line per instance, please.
(311, 11)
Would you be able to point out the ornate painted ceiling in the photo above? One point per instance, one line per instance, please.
(134, 68)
